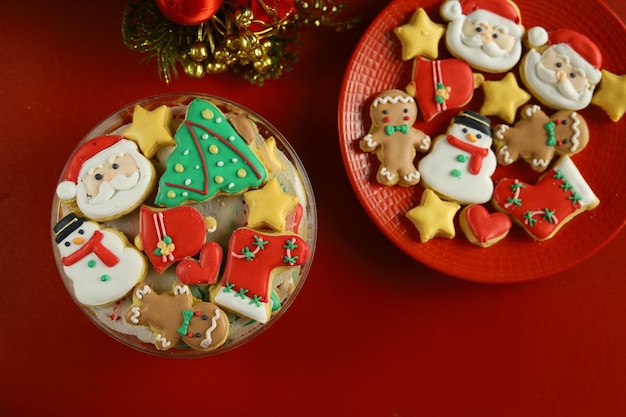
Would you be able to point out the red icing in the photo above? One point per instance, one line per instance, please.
(548, 193)
(485, 226)
(184, 225)
(452, 73)
(93, 245)
(502, 8)
(477, 153)
(203, 271)
(255, 275)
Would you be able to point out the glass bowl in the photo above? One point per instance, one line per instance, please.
(204, 242)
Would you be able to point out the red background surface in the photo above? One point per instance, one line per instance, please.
(372, 333)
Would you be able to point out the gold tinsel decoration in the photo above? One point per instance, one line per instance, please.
(226, 41)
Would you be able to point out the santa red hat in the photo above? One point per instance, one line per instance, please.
(497, 12)
(66, 190)
(582, 51)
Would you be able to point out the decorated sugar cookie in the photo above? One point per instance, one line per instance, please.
(503, 97)
(537, 138)
(176, 315)
(211, 157)
(543, 208)
(150, 129)
(101, 264)
(420, 36)
(441, 85)
(169, 235)
(393, 138)
(107, 177)
(482, 228)
(487, 34)
(562, 68)
(252, 260)
(611, 95)
(433, 217)
(461, 163)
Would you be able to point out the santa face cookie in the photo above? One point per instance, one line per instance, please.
(394, 139)
(461, 163)
(103, 268)
(537, 138)
(562, 68)
(107, 177)
(487, 34)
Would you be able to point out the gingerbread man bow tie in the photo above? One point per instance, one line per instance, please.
(400, 128)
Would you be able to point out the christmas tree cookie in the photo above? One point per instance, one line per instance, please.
(210, 157)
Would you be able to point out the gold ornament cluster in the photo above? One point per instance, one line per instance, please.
(226, 42)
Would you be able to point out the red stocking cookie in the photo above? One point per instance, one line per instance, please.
(252, 260)
(178, 316)
(394, 139)
(542, 209)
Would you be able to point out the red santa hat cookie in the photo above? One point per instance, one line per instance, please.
(107, 177)
(485, 33)
(562, 68)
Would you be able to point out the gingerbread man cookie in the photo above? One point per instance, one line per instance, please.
(178, 316)
(393, 138)
(538, 138)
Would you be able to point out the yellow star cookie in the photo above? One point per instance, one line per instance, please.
(269, 206)
(420, 36)
(433, 217)
(611, 95)
(503, 98)
(150, 129)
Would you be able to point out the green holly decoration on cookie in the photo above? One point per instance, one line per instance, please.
(210, 157)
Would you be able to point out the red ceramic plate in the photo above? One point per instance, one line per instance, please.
(376, 66)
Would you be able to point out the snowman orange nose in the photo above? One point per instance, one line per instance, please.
(78, 240)
(471, 137)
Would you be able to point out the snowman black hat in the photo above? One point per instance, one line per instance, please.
(474, 121)
(66, 226)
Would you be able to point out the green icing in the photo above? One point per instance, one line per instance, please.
(210, 157)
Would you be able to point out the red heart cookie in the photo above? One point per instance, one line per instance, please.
(483, 228)
(204, 271)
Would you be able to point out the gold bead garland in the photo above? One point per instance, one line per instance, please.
(234, 39)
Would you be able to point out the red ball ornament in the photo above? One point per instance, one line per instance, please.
(189, 12)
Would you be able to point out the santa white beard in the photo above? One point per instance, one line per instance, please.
(544, 84)
(108, 189)
(121, 195)
(472, 49)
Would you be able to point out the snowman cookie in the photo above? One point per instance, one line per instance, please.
(393, 138)
(100, 263)
(460, 165)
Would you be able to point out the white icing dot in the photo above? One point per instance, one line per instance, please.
(218, 120)
(188, 181)
(234, 160)
(186, 152)
(220, 163)
(197, 167)
(184, 193)
(205, 136)
(231, 138)
(231, 185)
